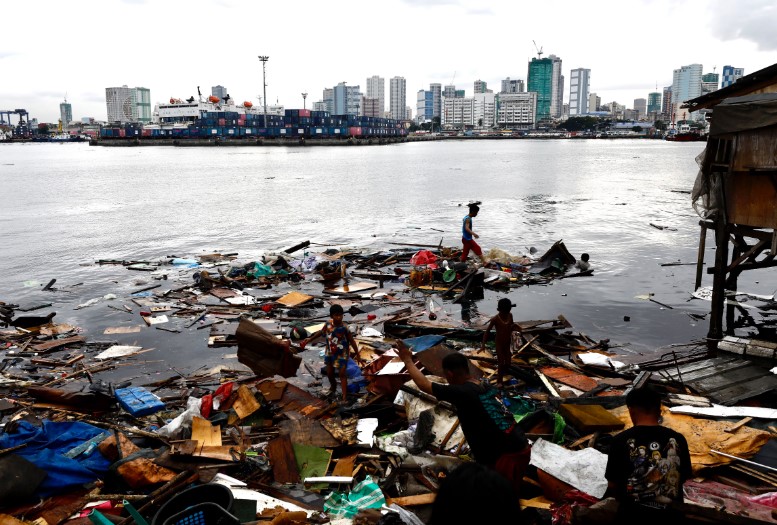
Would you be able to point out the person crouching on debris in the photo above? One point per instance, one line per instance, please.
(647, 463)
(505, 326)
(494, 438)
(338, 339)
(468, 236)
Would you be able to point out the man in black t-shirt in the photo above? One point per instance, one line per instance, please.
(504, 449)
(647, 463)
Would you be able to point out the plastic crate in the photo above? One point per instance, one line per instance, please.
(212, 493)
(203, 514)
(138, 401)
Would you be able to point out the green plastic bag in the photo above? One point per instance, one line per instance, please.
(259, 270)
(364, 495)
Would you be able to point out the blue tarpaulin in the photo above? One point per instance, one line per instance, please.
(46, 448)
(419, 344)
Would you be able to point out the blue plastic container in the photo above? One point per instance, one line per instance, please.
(138, 401)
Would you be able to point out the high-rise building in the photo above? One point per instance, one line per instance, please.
(370, 107)
(65, 113)
(546, 80)
(654, 103)
(398, 98)
(376, 88)
(579, 89)
(328, 98)
(594, 102)
(460, 93)
(517, 110)
(219, 91)
(709, 83)
(666, 103)
(121, 104)
(449, 91)
(640, 107)
(481, 86)
(143, 104)
(686, 85)
(408, 113)
(512, 86)
(347, 99)
(424, 106)
(731, 74)
(319, 106)
(458, 112)
(436, 90)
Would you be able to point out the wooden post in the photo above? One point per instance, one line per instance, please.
(700, 259)
(718, 285)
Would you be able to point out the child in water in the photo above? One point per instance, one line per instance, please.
(505, 326)
(338, 339)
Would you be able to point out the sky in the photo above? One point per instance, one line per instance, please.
(52, 49)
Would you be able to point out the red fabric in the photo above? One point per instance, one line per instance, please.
(470, 245)
(206, 405)
(422, 258)
(513, 466)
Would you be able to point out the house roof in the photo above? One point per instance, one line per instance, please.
(744, 113)
(743, 86)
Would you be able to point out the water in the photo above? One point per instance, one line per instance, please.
(67, 205)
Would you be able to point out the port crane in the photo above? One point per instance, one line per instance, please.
(539, 50)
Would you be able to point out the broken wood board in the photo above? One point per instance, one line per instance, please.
(263, 353)
(344, 466)
(49, 346)
(122, 330)
(272, 390)
(570, 378)
(205, 433)
(246, 403)
(590, 418)
(410, 501)
(151, 320)
(351, 288)
(223, 293)
(193, 448)
(306, 431)
(293, 299)
(344, 431)
(283, 461)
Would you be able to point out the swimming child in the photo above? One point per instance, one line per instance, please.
(338, 339)
(505, 326)
(583, 265)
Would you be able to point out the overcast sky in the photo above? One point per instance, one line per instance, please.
(51, 48)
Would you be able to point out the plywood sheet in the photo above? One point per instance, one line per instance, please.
(205, 433)
(122, 330)
(246, 403)
(570, 378)
(351, 288)
(293, 299)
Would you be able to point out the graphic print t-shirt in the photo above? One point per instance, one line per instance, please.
(649, 464)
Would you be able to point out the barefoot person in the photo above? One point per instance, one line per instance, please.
(468, 236)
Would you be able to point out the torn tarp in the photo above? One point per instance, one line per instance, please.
(46, 449)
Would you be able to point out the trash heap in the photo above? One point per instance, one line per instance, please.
(263, 440)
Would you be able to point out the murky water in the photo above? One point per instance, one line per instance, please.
(66, 205)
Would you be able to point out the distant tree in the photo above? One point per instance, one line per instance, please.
(637, 129)
(579, 123)
(660, 125)
(413, 127)
(43, 129)
(480, 122)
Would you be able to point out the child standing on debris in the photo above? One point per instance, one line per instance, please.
(468, 236)
(505, 326)
(338, 339)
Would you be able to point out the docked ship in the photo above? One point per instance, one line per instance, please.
(217, 118)
(684, 133)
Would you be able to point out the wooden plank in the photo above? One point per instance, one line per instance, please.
(272, 390)
(245, 404)
(344, 466)
(205, 433)
(570, 378)
(739, 424)
(308, 431)
(57, 343)
(735, 393)
(540, 502)
(590, 418)
(283, 460)
(351, 288)
(122, 330)
(410, 501)
(293, 299)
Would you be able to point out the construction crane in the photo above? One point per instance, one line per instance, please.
(539, 50)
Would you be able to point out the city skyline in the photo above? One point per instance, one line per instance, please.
(113, 43)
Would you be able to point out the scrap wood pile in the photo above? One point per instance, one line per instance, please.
(263, 441)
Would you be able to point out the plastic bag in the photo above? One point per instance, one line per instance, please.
(184, 420)
(365, 495)
(422, 258)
